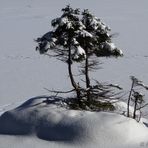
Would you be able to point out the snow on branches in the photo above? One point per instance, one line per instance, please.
(79, 26)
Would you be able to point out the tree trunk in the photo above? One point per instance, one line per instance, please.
(73, 83)
(135, 108)
(129, 98)
(87, 75)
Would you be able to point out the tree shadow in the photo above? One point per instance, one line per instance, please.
(39, 100)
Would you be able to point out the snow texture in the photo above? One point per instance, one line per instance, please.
(110, 48)
(79, 53)
(85, 33)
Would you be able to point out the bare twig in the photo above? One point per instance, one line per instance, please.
(60, 92)
(142, 106)
(116, 86)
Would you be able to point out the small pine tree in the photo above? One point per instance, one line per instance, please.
(136, 97)
(79, 37)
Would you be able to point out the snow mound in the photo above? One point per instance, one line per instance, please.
(54, 123)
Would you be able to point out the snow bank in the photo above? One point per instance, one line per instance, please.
(54, 123)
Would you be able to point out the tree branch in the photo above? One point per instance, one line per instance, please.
(142, 106)
(53, 91)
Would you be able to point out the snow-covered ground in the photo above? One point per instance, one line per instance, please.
(24, 73)
(36, 123)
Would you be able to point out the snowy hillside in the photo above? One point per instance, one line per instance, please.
(59, 127)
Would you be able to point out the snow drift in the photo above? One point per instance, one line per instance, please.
(54, 123)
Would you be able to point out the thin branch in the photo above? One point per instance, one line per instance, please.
(53, 91)
(116, 86)
(50, 55)
(142, 106)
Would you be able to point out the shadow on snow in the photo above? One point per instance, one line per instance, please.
(18, 122)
